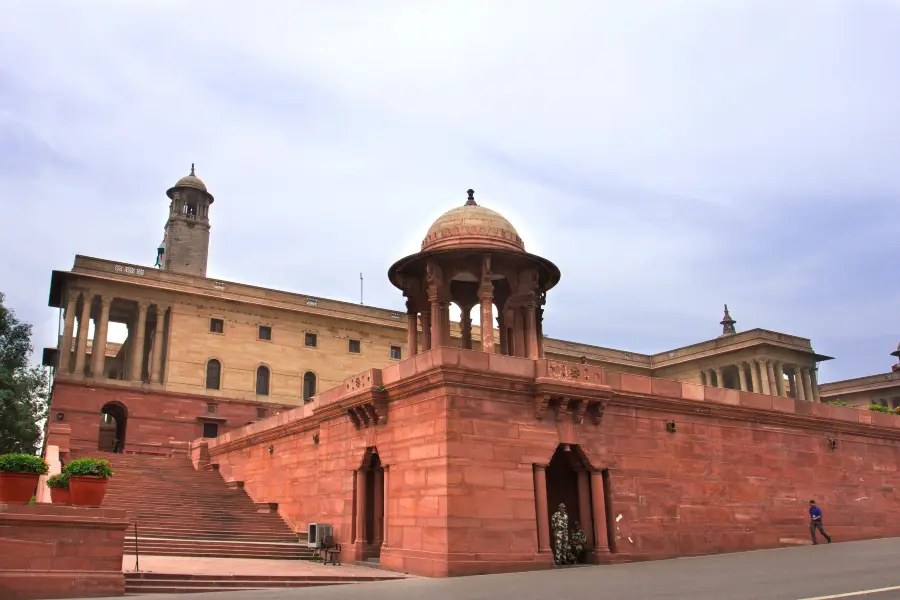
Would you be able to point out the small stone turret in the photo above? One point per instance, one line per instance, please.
(185, 246)
(727, 323)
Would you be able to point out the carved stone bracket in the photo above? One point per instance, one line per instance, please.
(562, 406)
(368, 414)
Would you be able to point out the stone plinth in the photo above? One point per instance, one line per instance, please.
(51, 551)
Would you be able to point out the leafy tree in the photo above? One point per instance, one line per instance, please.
(23, 389)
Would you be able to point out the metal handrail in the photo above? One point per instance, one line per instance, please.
(137, 552)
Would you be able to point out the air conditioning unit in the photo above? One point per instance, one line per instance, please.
(315, 534)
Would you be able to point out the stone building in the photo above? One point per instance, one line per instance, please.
(882, 389)
(443, 448)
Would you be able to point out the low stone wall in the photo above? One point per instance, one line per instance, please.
(51, 551)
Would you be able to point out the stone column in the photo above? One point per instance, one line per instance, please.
(445, 324)
(360, 506)
(156, 373)
(137, 352)
(519, 332)
(598, 501)
(754, 375)
(742, 377)
(539, 314)
(65, 349)
(501, 325)
(814, 382)
(465, 327)
(412, 332)
(486, 295)
(779, 379)
(436, 321)
(720, 379)
(585, 508)
(83, 324)
(798, 383)
(763, 377)
(378, 508)
(770, 370)
(540, 505)
(530, 324)
(807, 384)
(384, 503)
(98, 352)
(425, 318)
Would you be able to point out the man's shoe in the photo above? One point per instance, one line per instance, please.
(829, 540)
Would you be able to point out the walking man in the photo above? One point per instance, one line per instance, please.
(559, 526)
(815, 516)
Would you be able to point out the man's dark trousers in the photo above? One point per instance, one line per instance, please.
(817, 524)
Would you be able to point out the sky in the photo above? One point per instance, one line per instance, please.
(669, 156)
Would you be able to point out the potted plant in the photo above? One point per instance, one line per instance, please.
(19, 474)
(87, 480)
(59, 488)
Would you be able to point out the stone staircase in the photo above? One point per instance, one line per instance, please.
(165, 583)
(179, 511)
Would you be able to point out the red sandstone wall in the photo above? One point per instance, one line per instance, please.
(156, 421)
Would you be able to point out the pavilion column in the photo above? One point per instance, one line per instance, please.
(378, 508)
(465, 327)
(742, 377)
(87, 300)
(156, 374)
(798, 382)
(425, 318)
(65, 349)
(384, 503)
(539, 314)
(436, 322)
(412, 331)
(585, 508)
(137, 352)
(754, 375)
(486, 295)
(770, 370)
(779, 379)
(518, 332)
(360, 506)
(445, 324)
(814, 383)
(710, 377)
(101, 328)
(764, 377)
(501, 326)
(540, 505)
(530, 324)
(598, 502)
(807, 384)
(720, 379)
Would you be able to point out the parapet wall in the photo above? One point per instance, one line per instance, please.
(688, 469)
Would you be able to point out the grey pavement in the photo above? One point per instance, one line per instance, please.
(820, 572)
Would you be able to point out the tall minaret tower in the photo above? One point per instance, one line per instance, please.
(186, 243)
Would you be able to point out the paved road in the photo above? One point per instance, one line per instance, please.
(821, 572)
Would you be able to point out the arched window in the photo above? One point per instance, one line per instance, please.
(262, 381)
(213, 375)
(309, 386)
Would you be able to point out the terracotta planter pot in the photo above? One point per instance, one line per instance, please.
(86, 490)
(59, 495)
(17, 488)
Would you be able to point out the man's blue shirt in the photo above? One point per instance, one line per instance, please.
(815, 511)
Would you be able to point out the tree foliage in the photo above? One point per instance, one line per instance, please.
(23, 388)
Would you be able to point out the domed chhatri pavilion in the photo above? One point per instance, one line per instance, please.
(472, 256)
(442, 448)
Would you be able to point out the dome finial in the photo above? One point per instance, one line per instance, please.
(192, 170)
(727, 323)
(471, 200)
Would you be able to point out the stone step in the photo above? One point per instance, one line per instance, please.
(223, 554)
(147, 576)
(145, 531)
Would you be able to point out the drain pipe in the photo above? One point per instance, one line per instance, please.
(137, 552)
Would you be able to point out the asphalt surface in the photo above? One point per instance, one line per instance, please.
(818, 572)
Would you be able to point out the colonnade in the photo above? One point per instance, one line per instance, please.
(82, 306)
(592, 510)
(765, 376)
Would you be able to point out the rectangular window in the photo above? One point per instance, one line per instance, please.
(395, 352)
(210, 430)
(216, 326)
(354, 346)
(261, 413)
(311, 340)
(265, 332)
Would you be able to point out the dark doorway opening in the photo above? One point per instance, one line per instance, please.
(113, 421)
(373, 505)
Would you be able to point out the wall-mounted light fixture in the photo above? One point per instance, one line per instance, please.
(60, 416)
(271, 449)
(670, 426)
(832, 444)
(316, 438)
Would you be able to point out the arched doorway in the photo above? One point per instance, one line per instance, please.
(369, 506)
(113, 421)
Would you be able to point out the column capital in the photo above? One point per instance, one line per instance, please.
(106, 301)
(143, 304)
(538, 467)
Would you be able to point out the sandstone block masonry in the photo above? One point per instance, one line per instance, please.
(450, 463)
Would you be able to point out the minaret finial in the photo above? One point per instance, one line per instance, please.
(192, 170)
(727, 323)
(471, 200)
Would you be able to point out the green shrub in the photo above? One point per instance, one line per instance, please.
(88, 467)
(23, 463)
(837, 403)
(879, 408)
(58, 481)
(33, 500)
